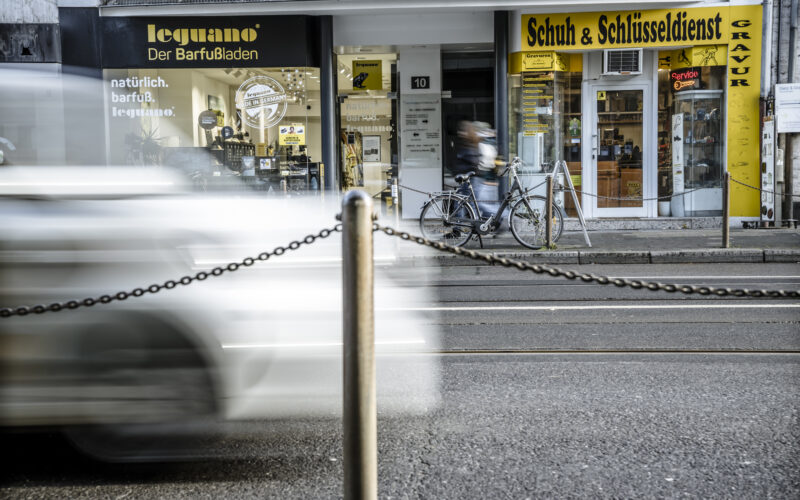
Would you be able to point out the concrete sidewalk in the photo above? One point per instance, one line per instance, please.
(655, 246)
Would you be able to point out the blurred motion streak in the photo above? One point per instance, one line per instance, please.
(145, 378)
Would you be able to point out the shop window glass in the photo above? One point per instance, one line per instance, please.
(545, 126)
(367, 117)
(691, 147)
(231, 128)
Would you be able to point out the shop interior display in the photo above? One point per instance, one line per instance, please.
(287, 169)
(352, 160)
(192, 119)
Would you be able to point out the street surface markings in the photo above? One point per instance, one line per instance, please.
(587, 307)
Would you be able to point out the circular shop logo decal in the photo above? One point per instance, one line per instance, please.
(262, 101)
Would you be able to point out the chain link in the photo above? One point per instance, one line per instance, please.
(428, 193)
(169, 284)
(634, 198)
(586, 277)
(765, 191)
(629, 198)
(561, 187)
(472, 254)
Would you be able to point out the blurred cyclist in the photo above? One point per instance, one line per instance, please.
(485, 183)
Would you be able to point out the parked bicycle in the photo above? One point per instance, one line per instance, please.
(454, 217)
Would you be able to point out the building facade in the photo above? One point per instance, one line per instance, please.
(647, 108)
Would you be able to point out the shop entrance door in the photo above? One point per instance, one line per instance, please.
(620, 150)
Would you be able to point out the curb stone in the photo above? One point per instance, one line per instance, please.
(708, 255)
(609, 257)
(781, 255)
(536, 257)
(686, 256)
(533, 256)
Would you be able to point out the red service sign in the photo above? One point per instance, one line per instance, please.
(684, 79)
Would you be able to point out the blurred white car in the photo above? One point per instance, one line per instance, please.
(134, 379)
(138, 379)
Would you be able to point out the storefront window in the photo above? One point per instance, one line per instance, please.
(251, 128)
(691, 139)
(368, 111)
(545, 123)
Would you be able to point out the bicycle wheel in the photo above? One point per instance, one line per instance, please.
(527, 221)
(448, 219)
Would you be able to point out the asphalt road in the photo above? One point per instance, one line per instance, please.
(549, 389)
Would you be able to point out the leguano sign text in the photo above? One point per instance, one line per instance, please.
(203, 42)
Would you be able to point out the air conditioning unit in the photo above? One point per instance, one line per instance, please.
(622, 62)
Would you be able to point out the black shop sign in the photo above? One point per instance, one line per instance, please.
(207, 42)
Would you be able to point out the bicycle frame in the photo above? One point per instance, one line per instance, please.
(485, 225)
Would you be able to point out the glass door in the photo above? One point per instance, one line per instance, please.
(368, 121)
(619, 150)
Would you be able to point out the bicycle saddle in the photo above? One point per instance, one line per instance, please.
(463, 177)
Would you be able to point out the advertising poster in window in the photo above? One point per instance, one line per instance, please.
(368, 75)
(292, 135)
(372, 148)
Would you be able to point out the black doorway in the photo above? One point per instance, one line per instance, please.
(468, 94)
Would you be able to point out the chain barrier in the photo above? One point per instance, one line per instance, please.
(472, 254)
(431, 194)
(414, 190)
(169, 284)
(562, 188)
(586, 277)
(637, 198)
(764, 190)
(618, 198)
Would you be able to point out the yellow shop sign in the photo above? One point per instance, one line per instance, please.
(703, 55)
(544, 61)
(646, 28)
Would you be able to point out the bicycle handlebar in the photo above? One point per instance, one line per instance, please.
(512, 165)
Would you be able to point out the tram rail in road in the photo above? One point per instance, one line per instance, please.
(486, 311)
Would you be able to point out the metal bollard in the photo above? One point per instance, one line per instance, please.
(548, 224)
(360, 443)
(726, 211)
